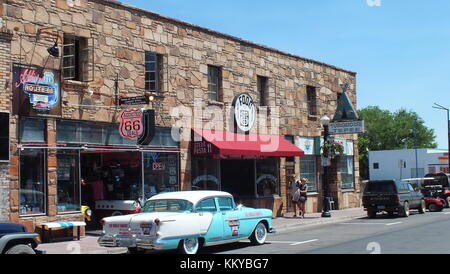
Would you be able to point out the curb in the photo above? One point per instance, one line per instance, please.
(117, 250)
(287, 227)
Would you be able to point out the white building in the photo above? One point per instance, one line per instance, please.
(402, 164)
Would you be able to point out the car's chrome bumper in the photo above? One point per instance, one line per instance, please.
(139, 241)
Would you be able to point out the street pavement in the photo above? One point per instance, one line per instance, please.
(346, 232)
(418, 234)
(88, 244)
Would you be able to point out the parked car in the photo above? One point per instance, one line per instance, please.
(433, 200)
(392, 197)
(442, 180)
(14, 239)
(187, 220)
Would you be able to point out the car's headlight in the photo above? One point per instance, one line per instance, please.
(89, 212)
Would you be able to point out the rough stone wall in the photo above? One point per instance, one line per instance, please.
(120, 35)
(4, 192)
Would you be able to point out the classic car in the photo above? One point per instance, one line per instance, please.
(187, 221)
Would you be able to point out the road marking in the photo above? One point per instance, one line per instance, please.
(292, 242)
(388, 224)
(362, 223)
(394, 223)
(282, 242)
(446, 213)
(305, 242)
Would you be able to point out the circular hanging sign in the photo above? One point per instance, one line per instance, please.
(244, 112)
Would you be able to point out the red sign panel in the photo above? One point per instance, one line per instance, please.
(131, 126)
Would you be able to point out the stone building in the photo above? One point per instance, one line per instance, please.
(65, 149)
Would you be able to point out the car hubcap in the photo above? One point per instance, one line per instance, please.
(261, 233)
(432, 207)
(406, 209)
(191, 245)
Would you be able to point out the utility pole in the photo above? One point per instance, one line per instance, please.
(437, 106)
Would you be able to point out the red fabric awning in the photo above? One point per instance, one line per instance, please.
(215, 142)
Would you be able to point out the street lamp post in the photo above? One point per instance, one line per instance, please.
(437, 106)
(325, 121)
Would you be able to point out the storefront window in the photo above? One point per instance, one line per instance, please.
(308, 170)
(32, 181)
(345, 168)
(4, 136)
(32, 130)
(160, 173)
(205, 174)
(267, 177)
(68, 181)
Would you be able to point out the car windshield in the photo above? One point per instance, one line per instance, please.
(167, 205)
(381, 186)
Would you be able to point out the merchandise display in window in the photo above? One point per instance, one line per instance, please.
(32, 181)
(267, 177)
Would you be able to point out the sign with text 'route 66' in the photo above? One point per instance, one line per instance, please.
(131, 123)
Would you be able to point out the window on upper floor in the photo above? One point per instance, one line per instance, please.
(153, 68)
(78, 64)
(214, 82)
(311, 98)
(262, 83)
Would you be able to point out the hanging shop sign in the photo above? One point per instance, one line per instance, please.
(346, 119)
(131, 126)
(244, 112)
(133, 101)
(36, 91)
(346, 127)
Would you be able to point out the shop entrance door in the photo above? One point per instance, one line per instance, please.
(290, 170)
(111, 182)
(238, 177)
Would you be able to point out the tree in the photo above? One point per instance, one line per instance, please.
(387, 131)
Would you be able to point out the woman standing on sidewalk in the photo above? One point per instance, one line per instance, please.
(299, 191)
(303, 189)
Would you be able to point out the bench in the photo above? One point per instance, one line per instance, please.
(52, 225)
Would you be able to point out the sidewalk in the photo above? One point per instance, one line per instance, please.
(286, 223)
(88, 244)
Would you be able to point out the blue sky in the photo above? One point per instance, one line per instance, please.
(400, 49)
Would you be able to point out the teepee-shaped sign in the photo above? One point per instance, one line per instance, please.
(345, 109)
(345, 120)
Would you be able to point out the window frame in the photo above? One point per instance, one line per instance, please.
(156, 71)
(312, 185)
(215, 94)
(233, 205)
(80, 53)
(262, 83)
(45, 184)
(196, 208)
(311, 99)
(339, 167)
(5, 136)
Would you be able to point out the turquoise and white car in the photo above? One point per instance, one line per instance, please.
(187, 220)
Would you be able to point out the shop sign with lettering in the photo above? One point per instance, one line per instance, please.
(130, 123)
(36, 91)
(202, 148)
(244, 112)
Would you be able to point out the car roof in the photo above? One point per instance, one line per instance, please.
(191, 196)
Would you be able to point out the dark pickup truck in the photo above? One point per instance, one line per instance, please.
(392, 197)
(14, 239)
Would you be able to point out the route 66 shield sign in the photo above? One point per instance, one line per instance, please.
(130, 123)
